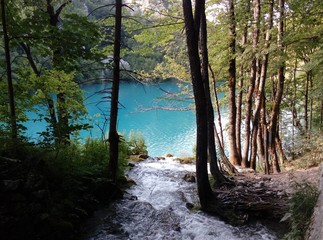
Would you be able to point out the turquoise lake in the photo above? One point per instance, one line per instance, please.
(140, 110)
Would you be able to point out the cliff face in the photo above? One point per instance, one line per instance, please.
(315, 230)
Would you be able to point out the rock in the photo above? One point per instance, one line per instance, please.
(169, 155)
(315, 230)
(131, 164)
(189, 205)
(189, 177)
(143, 156)
(244, 170)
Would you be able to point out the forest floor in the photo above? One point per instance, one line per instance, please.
(260, 196)
(285, 180)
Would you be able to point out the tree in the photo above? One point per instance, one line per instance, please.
(279, 91)
(54, 40)
(234, 156)
(113, 133)
(6, 40)
(192, 29)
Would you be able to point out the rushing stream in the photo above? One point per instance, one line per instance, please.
(155, 209)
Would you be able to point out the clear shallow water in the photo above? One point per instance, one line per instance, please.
(164, 131)
(155, 209)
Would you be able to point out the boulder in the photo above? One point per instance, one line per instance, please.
(189, 177)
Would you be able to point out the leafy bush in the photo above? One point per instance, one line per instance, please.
(137, 144)
(95, 155)
(300, 211)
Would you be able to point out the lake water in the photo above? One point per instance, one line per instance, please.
(140, 111)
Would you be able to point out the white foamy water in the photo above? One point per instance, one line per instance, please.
(155, 209)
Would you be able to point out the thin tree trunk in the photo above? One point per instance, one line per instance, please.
(6, 40)
(311, 104)
(220, 142)
(263, 128)
(221, 139)
(192, 26)
(255, 39)
(280, 152)
(113, 133)
(306, 102)
(279, 92)
(240, 84)
(261, 85)
(234, 157)
(219, 178)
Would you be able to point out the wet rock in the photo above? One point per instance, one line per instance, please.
(131, 164)
(143, 156)
(189, 177)
(169, 155)
(189, 205)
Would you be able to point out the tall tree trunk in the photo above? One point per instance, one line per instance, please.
(264, 132)
(192, 26)
(294, 113)
(279, 91)
(311, 104)
(241, 83)
(279, 148)
(113, 133)
(234, 156)
(216, 99)
(219, 141)
(214, 169)
(306, 102)
(261, 85)
(6, 40)
(255, 39)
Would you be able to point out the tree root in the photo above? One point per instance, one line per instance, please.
(248, 200)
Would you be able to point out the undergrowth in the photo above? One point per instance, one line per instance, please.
(301, 207)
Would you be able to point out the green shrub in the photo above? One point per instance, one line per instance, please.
(300, 210)
(95, 155)
(137, 144)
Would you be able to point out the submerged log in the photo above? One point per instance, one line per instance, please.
(248, 200)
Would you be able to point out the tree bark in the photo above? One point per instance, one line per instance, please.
(261, 86)
(241, 83)
(220, 138)
(306, 102)
(6, 40)
(113, 133)
(192, 27)
(234, 156)
(255, 40)
(279, 91)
